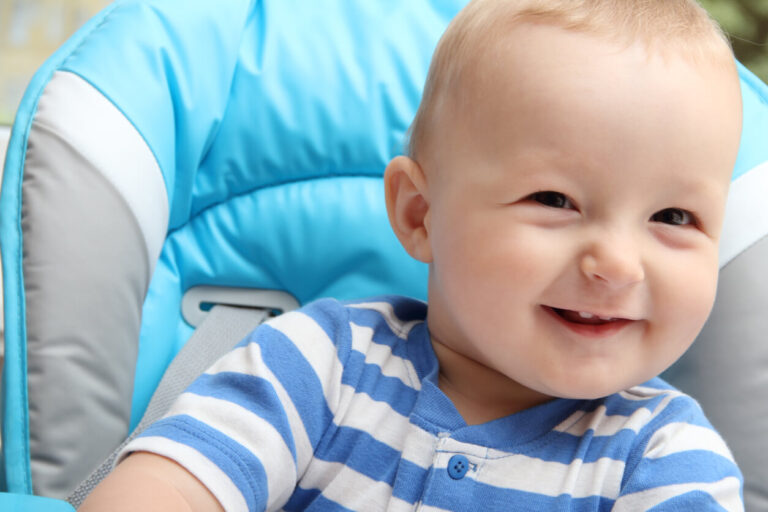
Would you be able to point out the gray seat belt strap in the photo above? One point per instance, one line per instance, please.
(222, 329)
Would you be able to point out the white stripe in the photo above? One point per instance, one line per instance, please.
(639, 393)
(252, 432)
(427, 508)
(682, 437)
(399, 505)
(381, 355)
(419, 447)
(76, 111)
(193, 461)
(398, 327)
(746, 218)
(578, 478)
(247, 360)
(603, 424)
(725, 493)
(319, 350)
(386, 426)
(346, 486)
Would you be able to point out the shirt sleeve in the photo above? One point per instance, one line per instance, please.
(682, 463)
(248, 426)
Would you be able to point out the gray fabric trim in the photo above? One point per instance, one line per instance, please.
(86, 274)
(726, 369)
(104, 137)
(221, 330)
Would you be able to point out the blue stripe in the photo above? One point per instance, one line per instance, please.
(375, 320)
(255, 394)
(298, 378)
(468, 494)
(332, 318)
(694, 500)
(301, 499)
(367, 378)
(679, 468)
(566, 448)
(410, 481)
(306, 500)
(420, 351)
(238, 463)
(680, 408)
(406, 308)
(360, 451)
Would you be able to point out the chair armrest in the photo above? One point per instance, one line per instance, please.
(29, 503)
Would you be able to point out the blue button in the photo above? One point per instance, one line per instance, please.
(457, 467)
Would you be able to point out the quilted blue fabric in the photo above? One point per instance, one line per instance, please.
(272, 131)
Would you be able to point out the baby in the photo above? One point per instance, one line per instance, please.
(565, 181)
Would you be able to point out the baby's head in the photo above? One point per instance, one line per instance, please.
(566, 182)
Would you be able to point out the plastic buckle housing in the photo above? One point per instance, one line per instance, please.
(198, 300)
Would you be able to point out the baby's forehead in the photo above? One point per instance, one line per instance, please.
(525, 49)
(530, 59)
(574, 93)
(481, 41)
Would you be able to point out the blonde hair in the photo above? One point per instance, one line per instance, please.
(663, 26)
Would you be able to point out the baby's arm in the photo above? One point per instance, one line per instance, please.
(247, 427)
(149, 482)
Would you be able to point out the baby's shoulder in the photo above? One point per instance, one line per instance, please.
(638, 413)
(382, 315)
(657, 419)
(395, 310)
(658, 402)
(346, 326)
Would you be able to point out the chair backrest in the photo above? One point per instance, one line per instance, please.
(171, 144)
(176, 143)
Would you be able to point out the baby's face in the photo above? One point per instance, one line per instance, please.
(575, 209)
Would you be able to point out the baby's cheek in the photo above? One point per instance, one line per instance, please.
(688, 296)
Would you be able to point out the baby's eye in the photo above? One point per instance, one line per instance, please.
(674, 216)
(552, 199)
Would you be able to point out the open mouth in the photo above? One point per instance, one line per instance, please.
(587, 324)
(581, 317)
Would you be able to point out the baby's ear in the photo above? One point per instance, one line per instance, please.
(405, 185)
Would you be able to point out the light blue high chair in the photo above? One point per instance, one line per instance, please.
(175, 155)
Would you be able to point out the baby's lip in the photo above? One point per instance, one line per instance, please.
(597, 326)
(588, 316)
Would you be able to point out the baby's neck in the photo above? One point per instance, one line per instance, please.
(479, 393)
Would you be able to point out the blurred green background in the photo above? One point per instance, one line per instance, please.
(30, 30)
(746, 21)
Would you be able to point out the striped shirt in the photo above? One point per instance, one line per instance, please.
(336, 407)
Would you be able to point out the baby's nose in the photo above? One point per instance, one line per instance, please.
(613, 263)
